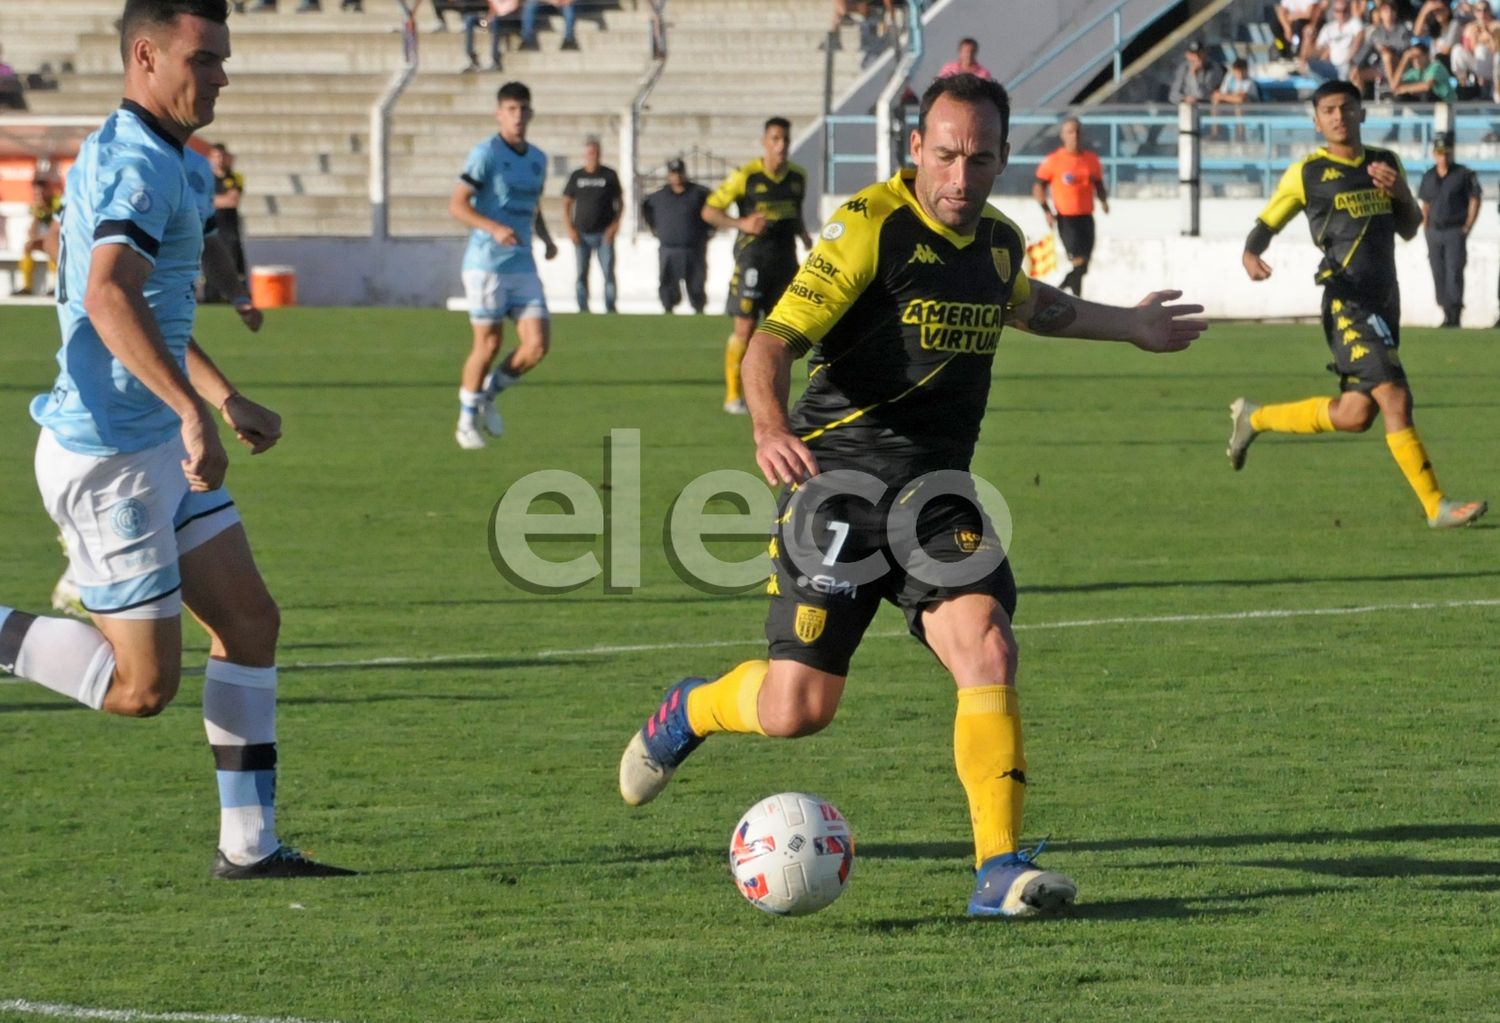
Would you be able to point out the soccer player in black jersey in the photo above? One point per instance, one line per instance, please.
(901, 306)
(1357, 201)
(767, 193)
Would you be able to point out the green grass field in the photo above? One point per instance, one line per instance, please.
(1288, 814)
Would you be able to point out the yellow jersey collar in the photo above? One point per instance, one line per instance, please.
(901, 186)
(1357, 161)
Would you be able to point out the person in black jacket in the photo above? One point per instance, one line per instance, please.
(674, 214)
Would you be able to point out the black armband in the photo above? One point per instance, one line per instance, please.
(1259, 240)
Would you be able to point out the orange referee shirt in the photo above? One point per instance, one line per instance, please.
(1071, 177)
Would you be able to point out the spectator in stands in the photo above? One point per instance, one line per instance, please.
(1450, 195)
(1420, 79)
(1472, 62)
(1296, 21)
(1332, 52)
(1237, 89)
(1437, 25)
(1196, 77)
(569, 10)
(496, 14)
(1381, 50)
(674, 214)
(439, 9)
(844, 8)
(592, 204)
(967, 62)
(12, 93)
(229, 189)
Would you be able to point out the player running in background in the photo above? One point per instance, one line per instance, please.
(768, 194)
(498, 197)
(1075, 178)
(1357, 201)
(129, 460)
(901, 306)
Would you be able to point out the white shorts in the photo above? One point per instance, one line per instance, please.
(125, 520)
(492, 297)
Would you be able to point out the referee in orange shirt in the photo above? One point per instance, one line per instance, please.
(1075, 177)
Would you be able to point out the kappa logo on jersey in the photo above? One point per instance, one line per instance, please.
(810, 623)
(1350, 335)
(759, 188)
(923, 254)
(1332, 174)
(1002, 264)
(1343, 323)
(860, 206)
(1358, 352)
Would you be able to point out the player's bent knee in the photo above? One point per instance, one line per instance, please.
(800, 722)
(142, 696)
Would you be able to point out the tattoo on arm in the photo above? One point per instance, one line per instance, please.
(1054, 313)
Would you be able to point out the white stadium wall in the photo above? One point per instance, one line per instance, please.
(1139, 250)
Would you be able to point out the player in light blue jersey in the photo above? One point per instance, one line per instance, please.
(498, 197)
(129, 461)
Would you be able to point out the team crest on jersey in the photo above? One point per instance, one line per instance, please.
(129, 519)
(969, 541)
(1002, 264)
(810, 622)
(141, 202)
(832, 231)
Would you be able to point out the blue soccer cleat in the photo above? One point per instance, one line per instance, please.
(1014, 886)
(660, 747)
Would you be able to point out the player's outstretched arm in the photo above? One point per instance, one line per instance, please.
(219, 270)
(257, 427)
(115, 301)
(767, 375)
(1152, 325)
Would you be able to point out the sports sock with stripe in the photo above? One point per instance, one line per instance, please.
(991, 762)
(468, 406)
(734, 354)
(67, 656)
(239, 715)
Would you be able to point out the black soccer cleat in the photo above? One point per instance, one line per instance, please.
(284, 862)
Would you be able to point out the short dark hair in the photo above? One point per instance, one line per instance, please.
(221, 147)
(1337, 87)
(778, 122)
(144, 14)
(967, 89)
(969, 41)
(1240, 64)
(515, 91)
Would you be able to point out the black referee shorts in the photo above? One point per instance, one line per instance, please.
(1077, 234)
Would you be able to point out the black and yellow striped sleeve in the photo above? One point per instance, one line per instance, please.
(1287, 201)
(731, 189)
(836, 272)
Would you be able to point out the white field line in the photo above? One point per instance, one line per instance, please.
(1073, 623)
(53, 1010)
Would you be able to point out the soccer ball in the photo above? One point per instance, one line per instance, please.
(791, 854)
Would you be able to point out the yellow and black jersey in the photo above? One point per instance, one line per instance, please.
(43, 212)
(229, 180)
(902, 317)
(780, 198)
(1351, 220)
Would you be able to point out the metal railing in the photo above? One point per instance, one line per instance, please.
(630, 126)
(1116, 53)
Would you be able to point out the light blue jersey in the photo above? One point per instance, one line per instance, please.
(130, 186)
(507, 189)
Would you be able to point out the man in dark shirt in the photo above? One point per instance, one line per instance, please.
(675, 216)
(229, 188)
(1450, 204)
(592, 201)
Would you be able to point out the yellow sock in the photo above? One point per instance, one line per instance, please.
(730, 702)
(28, 269)
(991, 764)
(1309, 416)
(734, 354)
(1406, 448)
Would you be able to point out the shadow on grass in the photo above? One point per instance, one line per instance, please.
(456, 663)
(625, 858)
(1301, 580)
(19, 708)
(1391, 833)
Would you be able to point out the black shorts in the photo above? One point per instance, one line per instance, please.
(835, 565)
(1077, 234)
(1364, 341)
(757, 284)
